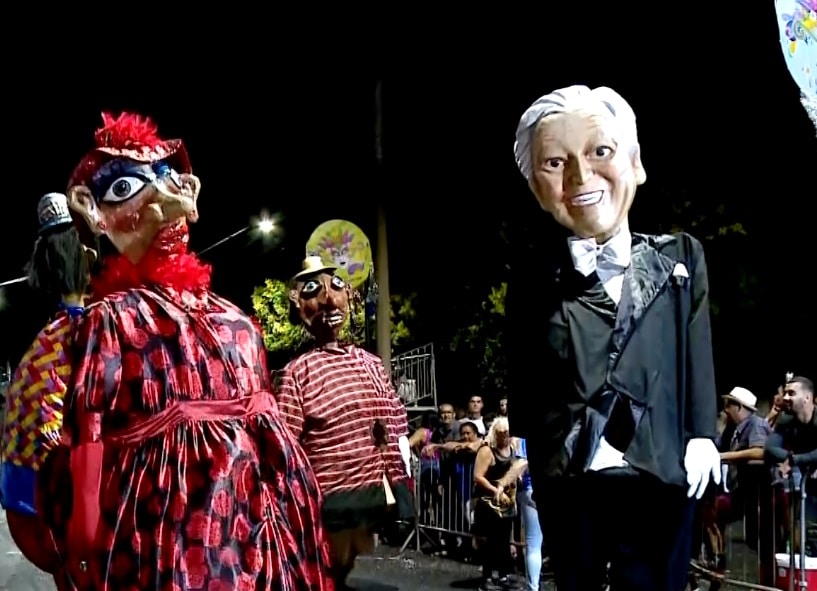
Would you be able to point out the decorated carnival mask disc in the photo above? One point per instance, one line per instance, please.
(797, 23)
(346, 246)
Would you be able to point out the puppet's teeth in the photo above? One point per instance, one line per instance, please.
(587, 199)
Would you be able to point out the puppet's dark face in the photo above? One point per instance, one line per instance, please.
(323, 304)
(582, 176)
(138, 205)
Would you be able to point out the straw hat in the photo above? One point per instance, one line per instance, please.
(743, 397)
(313, 266)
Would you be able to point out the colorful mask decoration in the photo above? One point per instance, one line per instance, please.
(346, 246)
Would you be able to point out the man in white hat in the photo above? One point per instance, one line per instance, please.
(339, 402)
(627, 405)
(751, 430)
(746, 474)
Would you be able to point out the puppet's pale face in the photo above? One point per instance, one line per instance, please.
(323, 304)
(138, 206)
(582, 176)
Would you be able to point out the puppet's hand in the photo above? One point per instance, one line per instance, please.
(702, 462)
(405, 453)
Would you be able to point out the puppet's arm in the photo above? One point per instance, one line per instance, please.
(35, 399)
(701, 460)
(397, 420)
(291, 402)
(95, 383)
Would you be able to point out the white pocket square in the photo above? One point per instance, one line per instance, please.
(680, 270)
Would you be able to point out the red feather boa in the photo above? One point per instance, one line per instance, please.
(181, 271)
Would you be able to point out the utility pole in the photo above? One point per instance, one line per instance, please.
(381, 259)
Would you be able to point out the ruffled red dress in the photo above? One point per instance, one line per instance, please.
(182, 475)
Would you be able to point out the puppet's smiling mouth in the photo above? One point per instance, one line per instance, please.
(586, 199)
(334, 319)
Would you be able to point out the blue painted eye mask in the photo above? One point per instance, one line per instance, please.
(122, 179)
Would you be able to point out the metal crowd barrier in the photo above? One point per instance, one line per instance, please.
(754, 524)
(444, 511)
(442, 498)
(759, 527)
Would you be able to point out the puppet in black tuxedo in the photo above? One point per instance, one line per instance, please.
(610, 341)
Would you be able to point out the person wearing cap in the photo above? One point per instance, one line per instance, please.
(340, 403)
(176, 470)
(622, 355)
(59, 273)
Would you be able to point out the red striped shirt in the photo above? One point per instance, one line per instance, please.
(330, 402)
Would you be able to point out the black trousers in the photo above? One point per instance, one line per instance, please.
(496, 548)
(639, 526)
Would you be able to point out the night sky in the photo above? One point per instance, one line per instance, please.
(287, 126)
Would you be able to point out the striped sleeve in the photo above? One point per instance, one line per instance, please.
(291, 402)
(398, 418)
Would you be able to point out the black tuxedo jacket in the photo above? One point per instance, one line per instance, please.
(661, 354)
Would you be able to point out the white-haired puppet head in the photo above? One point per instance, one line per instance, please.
(578, 149)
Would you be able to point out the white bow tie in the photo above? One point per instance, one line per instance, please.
(609, 259)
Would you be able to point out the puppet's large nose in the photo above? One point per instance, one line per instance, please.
(177, 202)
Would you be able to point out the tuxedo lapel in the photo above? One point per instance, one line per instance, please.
(648, 273)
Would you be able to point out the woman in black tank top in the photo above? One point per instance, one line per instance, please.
(495, 505)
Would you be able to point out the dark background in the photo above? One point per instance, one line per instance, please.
(281, 118)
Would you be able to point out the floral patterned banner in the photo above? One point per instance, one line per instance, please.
(797, 23)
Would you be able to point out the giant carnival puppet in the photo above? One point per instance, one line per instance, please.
(339, 401)
(614, 327)
(182, 473)
(59, 273)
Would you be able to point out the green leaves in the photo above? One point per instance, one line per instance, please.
(270, 303)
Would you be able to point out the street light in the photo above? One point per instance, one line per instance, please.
(264, 226)
(13, 281)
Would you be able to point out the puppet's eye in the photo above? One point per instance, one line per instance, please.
(603, 151)
(310, 286)
(553, 164)
(123, 189)
(338, 283)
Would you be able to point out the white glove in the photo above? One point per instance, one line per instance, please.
(702, 461)
(405, 452)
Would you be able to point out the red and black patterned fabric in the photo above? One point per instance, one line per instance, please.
(202, 501)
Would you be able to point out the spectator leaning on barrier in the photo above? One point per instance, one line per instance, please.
(793, 443)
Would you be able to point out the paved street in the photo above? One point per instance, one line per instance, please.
(383, 571)
(16, 573)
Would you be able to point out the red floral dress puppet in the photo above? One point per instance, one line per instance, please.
(183, 474)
